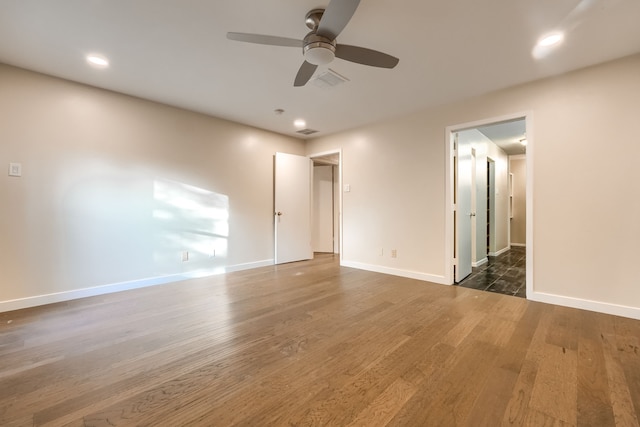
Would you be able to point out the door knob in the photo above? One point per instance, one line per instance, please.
(279, 213)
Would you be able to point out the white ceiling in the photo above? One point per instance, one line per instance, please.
(507, 135)
(176, 52)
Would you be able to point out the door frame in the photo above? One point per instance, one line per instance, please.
(474, 210)
(449, 191)
(337, 151)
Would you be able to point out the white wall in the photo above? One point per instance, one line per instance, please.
(115, 188)
(391, 203)
(585, 227)
(518, 167)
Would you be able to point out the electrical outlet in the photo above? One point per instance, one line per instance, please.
(394, 253)
(15, 169)
(185, 256)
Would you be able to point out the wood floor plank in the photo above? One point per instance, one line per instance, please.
(517, 407)
(620, 397)
(199, 406)
(386, 405)
(536, 418)
(354, 375)
(536, 325)
(594, 404)
(490, 404)
(344, 403)
(449, 395)
(313, 343)
(515, 337)
(566, 328)
(555, 389)
(627, 339)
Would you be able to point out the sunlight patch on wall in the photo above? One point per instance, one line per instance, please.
(192, 224)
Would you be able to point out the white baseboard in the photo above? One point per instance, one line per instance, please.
(396, 272)
(249, 265)
(500, 252)
(519, 245)
(37, 300)
(600, 307)
(481, 262)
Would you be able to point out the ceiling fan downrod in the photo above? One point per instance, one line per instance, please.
(317, 50)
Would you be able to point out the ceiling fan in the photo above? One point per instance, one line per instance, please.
(319, 47)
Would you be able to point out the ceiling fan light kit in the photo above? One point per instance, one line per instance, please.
(319, 47)
(318, 50)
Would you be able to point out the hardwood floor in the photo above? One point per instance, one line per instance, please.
(312, 343)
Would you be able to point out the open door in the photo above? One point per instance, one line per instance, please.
(463, 208)
(292, 201)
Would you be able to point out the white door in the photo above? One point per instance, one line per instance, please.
(463, 209)
(292, 200)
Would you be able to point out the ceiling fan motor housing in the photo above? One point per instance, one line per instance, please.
(319, 47)
(318, 50)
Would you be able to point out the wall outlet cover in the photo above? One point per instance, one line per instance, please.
(15, 169)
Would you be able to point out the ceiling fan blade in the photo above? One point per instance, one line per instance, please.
(262, 39)
(362, 55)
(304, 74)
(335, 17)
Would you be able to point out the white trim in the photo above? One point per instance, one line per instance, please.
(583, 304)
(519, 245)
(448, 223)
(449, 255)
(529, 202)
(246, 266)
(481, 262)
(34, 301)
(441, 280)
(500, 252)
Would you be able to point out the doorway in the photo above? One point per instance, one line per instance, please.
(294, 217)
(326, 202)
(490, 199)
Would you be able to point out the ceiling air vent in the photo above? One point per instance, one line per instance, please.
(306, 131)
(329, 79)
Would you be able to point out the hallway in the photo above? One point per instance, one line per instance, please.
(503, 274)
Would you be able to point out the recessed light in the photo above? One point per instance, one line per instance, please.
(299, 123)
(551, 39)
(98, 61)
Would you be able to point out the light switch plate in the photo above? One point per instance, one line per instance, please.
(15, 169)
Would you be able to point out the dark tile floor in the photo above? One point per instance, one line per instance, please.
(504, 274)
